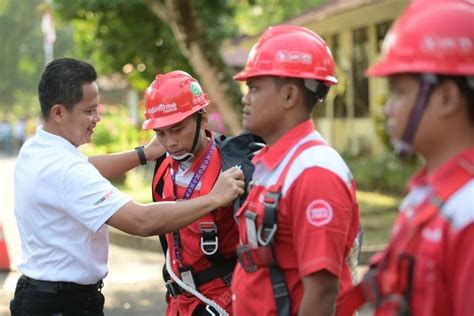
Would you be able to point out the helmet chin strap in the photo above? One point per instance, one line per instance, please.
(190, 155)
(404, 147)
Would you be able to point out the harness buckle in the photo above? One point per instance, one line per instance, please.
(269, 233)
(270, 204)
(209, 239)
(245, 259)
(173, 288)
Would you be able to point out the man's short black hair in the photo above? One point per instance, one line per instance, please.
(61, 83)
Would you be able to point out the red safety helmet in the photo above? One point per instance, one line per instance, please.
(434, 37)
(290, 51)
(171, 98)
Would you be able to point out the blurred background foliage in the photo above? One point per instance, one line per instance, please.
(112, 34)
(125, 37)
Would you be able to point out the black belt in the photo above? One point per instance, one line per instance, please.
(57, 287)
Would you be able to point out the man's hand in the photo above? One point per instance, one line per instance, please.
(228, 186)
(154, 150)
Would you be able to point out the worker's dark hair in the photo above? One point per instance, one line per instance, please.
(61, 83)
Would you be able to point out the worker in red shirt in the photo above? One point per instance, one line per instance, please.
(301, 219)
(427, 268)
(201, 257)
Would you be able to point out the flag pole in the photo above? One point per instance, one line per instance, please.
(49, 33)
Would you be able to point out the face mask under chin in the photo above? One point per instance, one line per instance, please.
(183, 157)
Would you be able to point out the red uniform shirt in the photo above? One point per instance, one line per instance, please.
(318, 220)
(443, 275)
(192, 255)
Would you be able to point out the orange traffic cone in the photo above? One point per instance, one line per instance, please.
(4, 259)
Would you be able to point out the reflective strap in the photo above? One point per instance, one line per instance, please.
(250, 224)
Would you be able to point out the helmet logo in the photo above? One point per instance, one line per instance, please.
(163, 108)
(448, 44)
(196, 89)
(294, 57)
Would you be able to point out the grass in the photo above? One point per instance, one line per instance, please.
(378, 211)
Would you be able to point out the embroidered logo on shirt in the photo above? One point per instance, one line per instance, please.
(105, 197)
(319, 213)
(432, 234)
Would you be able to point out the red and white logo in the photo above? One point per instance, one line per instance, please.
(319, 213)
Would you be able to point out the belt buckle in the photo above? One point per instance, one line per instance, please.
(209, 239)
(245, 259)
(170, 286)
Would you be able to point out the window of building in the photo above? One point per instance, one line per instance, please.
(359, 65)
(381, 29)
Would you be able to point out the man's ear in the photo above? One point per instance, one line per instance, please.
(204, 119)
(57, 113)
(450, 98)
(291, 93)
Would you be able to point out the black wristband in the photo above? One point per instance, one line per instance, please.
(141, 155)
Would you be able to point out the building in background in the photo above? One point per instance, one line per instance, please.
(354, 30)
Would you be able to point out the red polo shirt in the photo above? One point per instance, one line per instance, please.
(443, 274)
(318, 219)
(192, 255)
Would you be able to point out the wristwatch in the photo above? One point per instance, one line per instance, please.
(141, 154)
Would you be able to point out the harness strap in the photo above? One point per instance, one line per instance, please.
(161, 169)
(204, 276)
(370, 289)
(268, 229)
(221, 267)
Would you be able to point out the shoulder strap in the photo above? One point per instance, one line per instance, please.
(269, 226)
(272, 198)
(161, 167)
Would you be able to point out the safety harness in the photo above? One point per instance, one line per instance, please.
(260, 251)
(233, 151)
(390, 281)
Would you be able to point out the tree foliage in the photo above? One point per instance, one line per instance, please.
(116, 33)
(253, 16)
(21, 54)
(143, 37)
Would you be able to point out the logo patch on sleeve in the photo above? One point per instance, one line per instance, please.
(319, 213)
(105, 197)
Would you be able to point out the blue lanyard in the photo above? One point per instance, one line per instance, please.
(189, 192)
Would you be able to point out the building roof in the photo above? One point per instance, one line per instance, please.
(235, 53)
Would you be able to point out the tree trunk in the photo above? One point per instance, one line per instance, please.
(203, 55)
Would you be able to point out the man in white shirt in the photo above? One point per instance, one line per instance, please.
(63, 199)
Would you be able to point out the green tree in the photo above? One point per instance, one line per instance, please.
(21, 54)
(143, 37)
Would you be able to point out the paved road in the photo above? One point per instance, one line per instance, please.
(134, 285)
